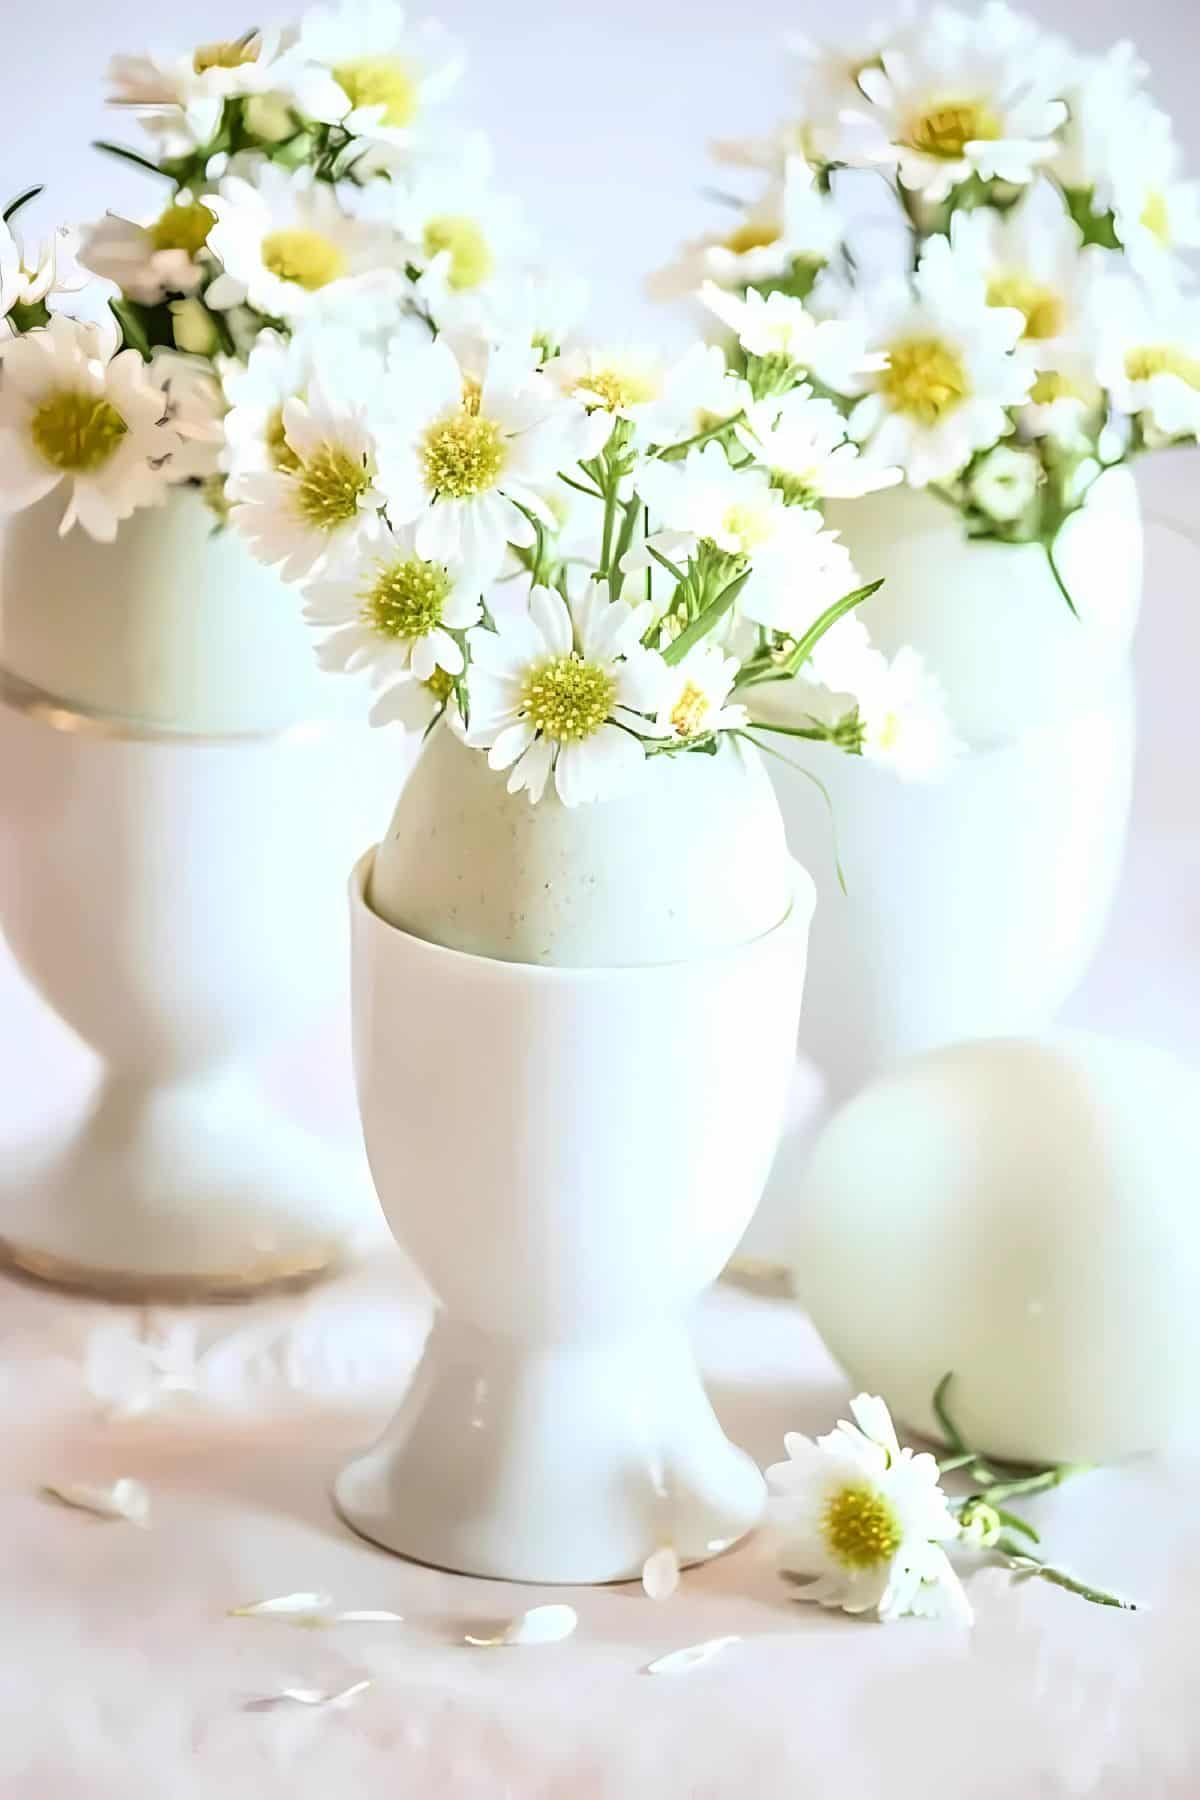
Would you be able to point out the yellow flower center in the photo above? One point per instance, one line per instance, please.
(329, 487)
(752, 234)
(567, 698)
(1051, 385)
(924, 378)
(182, 227)
(618, 386)
(860, 1528)
(1162, 359)
(232, 55)
(690, 710)
(472, 393)
(463, 455)
(747, 526)
(385, 81)
(406, 599)
(305, 257)
(280, 452)
(440, 685)
(945, 130)
(76, 432)
(1045, 314)
(471, 259)
(1156, 217)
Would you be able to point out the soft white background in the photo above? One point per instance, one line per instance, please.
(600, 116)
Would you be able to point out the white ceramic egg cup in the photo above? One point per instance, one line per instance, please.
(569, 1155)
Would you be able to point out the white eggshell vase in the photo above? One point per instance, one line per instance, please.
(569, 1134)
(177, 810)
(1021, 1213)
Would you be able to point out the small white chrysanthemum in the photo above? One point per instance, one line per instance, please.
(666, 402)
(180, 97)
(902, 710)
(796, 569)
(393, 613)
(24, 283)
(76, 409)
(949, 379)
(1156, 213)
(564, 689)
(414, 705)
(695, 693)
(1029, 258)
(827, 76)
(279, 369)
(801, 442)
(1106, 105)
(971, 95)
(792, 222)
(150, 261)
(532, 305)
(832, 350)
(467, 461)
(387, 73)
(1004, 484)
(865, 1520)
(194, 409)
(1065, 403)
(1150, 357)
(289, 248)
(321, 505)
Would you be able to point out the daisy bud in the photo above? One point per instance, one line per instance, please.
(192, 327)
(269, 118)
(1004, 483)
(979, 1525)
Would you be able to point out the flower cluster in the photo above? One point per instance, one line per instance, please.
(315, 192)
(581, 557)
(1020, 269)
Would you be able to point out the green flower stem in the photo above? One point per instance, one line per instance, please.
(1033, 1484)
(130, 156)
(616, 579)
(1060, 584)
(674, 451)
(1018, 1560)
(14, 206)
(580, 487)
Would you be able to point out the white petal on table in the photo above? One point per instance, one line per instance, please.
(123, 1499)
(315, 1609)
(540, 1625)
(677, 1661)
(660, 1573)
(314, 1697)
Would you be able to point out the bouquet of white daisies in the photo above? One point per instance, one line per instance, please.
(1006, 222)
(313, 194)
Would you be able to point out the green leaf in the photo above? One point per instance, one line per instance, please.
(700, 627)
(129, 156)
(805, 646)
(132, 330)
(14, 206)
(1096, 227)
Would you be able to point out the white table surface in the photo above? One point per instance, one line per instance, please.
(123, 1676)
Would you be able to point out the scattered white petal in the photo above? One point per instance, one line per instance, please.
(366, 1616)
(677, 1661)
(314, 1610)
(541, 1625)
(660, 1573)
(315, 1697)
(123, 1499)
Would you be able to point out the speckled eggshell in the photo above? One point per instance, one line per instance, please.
(692, 859)
(1026, 1214)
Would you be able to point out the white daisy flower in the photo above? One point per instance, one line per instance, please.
(902, 711)
(693, 700)
(279, 369)
(971, 95)
(194, 409)
(1156, 213)
(1105, 97)
(1150, 357)
(321, 505)
(393, 613)
(564, 689)
(1029, 257)
(827, 75)
(181, 96)
(22, 282)
(389, 74)
(532, 305)
(148, 262)
(796, 568)
(467, 461)
(1065, 403)
(289, 248)
(793, 222)
(76, 409)
(832, 350)
(666, 401)
(801, 442)
(950, 376)
(866, 1520)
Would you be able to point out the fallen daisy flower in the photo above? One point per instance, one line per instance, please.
(123, 1499)
(541, 1625)
(660, 1573)
(314, 1697)
(313, 1611)
(676, 1662)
